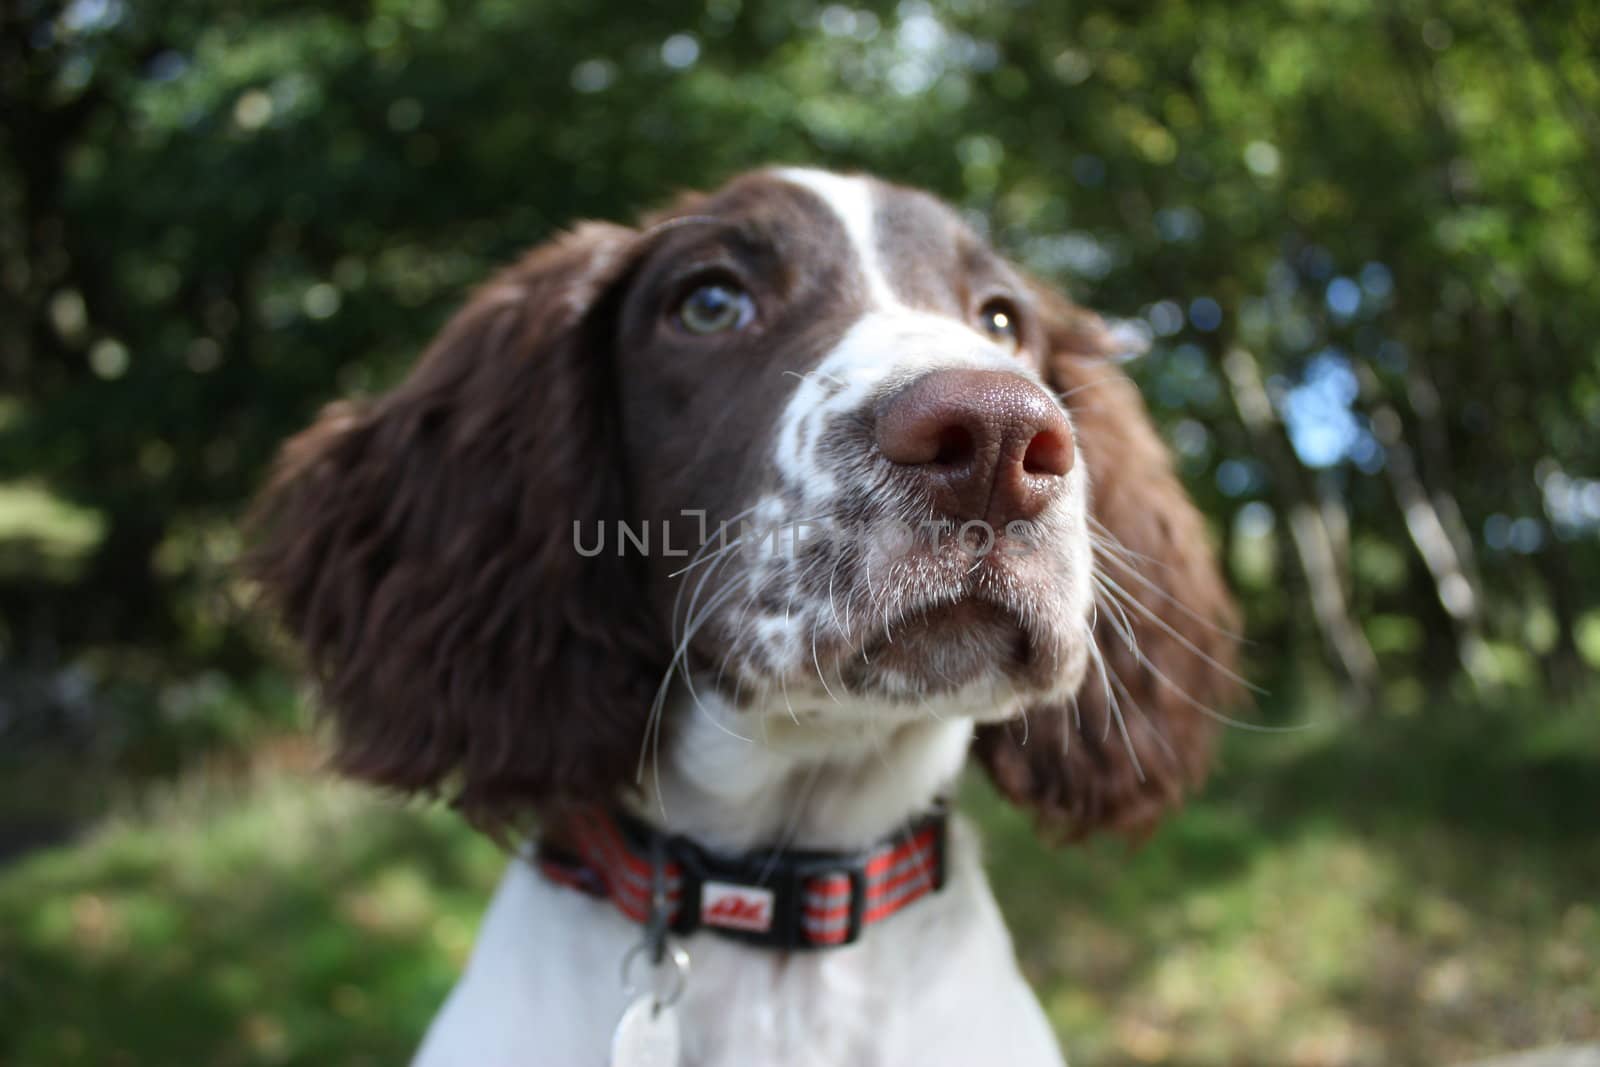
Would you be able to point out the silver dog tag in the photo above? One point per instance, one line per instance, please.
(646, 1035)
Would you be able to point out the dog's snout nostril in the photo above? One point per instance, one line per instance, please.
(982, 444)
(956, 447)
(1049, 453)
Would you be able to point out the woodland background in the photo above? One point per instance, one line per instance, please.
(1361, 236)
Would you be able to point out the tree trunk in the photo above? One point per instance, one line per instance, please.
(1316, 548)
(1457, 592)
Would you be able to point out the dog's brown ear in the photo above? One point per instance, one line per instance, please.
(421, 548)
(1138, 734)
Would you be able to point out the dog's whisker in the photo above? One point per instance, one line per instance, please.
(1167, 628)
(1114, 553)
(1150, 723)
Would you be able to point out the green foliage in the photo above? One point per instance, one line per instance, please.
(214, 218)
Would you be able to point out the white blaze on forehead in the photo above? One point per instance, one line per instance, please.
(852, 201)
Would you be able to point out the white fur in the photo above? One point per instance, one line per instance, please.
(935, 984)
(882, 351)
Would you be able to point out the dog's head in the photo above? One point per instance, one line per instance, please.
(808, 441)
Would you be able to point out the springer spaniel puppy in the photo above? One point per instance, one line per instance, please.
(713, 547)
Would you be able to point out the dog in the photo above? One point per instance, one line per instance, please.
(714, 547)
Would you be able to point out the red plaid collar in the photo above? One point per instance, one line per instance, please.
(787, 899)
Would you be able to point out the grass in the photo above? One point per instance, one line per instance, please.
(1421, 891)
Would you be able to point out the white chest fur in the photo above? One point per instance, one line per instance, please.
(936, 984)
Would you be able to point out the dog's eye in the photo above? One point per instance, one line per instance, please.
(1000, 321)
(715, 308)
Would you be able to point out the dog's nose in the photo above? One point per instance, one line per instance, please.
(987, 445)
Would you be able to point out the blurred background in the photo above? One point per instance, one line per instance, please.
(1361, 237)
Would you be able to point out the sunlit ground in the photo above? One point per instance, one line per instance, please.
(1413, 893)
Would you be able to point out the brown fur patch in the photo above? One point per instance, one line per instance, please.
(419, 546)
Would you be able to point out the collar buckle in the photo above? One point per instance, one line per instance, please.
(762, 899)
